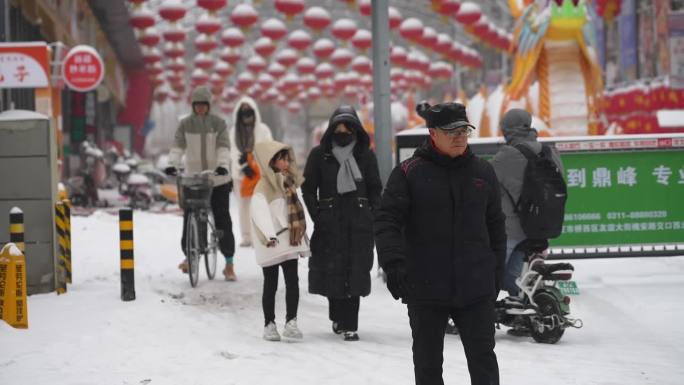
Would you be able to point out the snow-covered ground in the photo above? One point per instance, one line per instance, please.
(174, 334)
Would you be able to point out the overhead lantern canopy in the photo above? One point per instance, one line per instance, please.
(362, 40)
(290, 8)
(212, 5)
(208, 24)
(317, 19)
(264, 46)
(299, 40)
(233, 37)
(395, 18)
(323, 48)
(244, 16)
(411, 29)
(468, 13)
(172, 10)
(344, 29)
(273, 29)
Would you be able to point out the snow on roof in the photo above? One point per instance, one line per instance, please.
(14, 115)
(15, 210)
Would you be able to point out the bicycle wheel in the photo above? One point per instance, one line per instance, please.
(210, 252)
(193, 249)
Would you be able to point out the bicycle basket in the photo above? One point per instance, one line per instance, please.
(195, 192)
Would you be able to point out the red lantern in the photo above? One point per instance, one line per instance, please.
(270, 95)
(212, 5)
(344, 29)
(469, 13)
(256, 64)
(306, 65)
(199, 77)
(287, 57)
(314, 93)
(362, 40)
(290, 8)
(205, 43)
(299, 40)
(411, 29)
(155, 69)
(233, 37)
(137, 3)
(276, 70)
(323, 48)
(394, 17)
(230, 94)
(265, 80)
(324, 71)
(273, 29)
(429, 38)
(204, 61)
(362, 65)
(317, 18)
(149, 38)
(264, 46)
(440, 70)
(172, 10)
(244, 16)
(151, 56)
(208, 25)
(398, 55)
(367, 82)
(294, 107)
(244, 81)
(449, 7)
(217, 81)
(223, 69)
(175, 35)
(341, 57)
(142, 18)
(443, 43)
(177, 65)
(365, 7)
(230, 55)
(397, 74)
(608, 9)
(307, 81)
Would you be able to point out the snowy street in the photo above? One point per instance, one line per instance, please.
(174, 334)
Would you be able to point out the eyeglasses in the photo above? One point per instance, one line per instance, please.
(462, 131)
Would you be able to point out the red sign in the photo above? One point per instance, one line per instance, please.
(24, 65)
(83, 69)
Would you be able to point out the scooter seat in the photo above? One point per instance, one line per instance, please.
(554, 271)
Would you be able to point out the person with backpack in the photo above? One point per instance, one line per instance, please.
(533, 193)
(440, 237)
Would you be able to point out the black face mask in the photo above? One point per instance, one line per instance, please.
(246, 114)
(342, 138)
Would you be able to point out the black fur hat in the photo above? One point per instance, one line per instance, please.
(445, 116)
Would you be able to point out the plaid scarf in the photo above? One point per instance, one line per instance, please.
(295, 212)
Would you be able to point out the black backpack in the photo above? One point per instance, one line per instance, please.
(541, 206)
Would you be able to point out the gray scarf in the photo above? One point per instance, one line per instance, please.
(349, 172)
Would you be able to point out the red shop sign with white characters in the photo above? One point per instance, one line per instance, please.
(24, 65)
(83, 69)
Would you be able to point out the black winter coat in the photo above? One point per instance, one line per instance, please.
(442, 218)
(342, 240)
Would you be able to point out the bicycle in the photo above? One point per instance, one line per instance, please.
(194, 195)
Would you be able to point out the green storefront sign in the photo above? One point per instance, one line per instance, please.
(620, 198)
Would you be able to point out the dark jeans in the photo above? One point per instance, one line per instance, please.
(219, 206)
(344, 311)
(476, 328)
(271, 286)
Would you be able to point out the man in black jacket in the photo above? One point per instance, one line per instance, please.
(440, 236)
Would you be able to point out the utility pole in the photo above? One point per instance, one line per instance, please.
(382, 119)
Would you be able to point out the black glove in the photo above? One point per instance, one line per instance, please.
(397, 284)
(230, 186)
(171, 171)
(249, 173)
(221, 171)
(243, 158)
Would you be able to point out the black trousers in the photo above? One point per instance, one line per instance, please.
(476, 328)
(271, 286)
(220, 202)
(344, 311)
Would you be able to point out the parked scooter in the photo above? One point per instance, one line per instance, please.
(82, 188)
(541, 308)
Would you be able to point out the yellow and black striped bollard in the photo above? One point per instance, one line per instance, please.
(64, 268)
(67, 237)
(127, 263)
(17, 228)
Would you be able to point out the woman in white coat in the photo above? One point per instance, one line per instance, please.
(279, 229)
(246, 132)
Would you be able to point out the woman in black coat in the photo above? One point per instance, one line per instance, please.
(341, 191)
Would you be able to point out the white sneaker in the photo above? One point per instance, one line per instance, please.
(271, 332)
(291, 330)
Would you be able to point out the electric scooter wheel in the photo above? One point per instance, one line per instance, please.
(548, 306)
